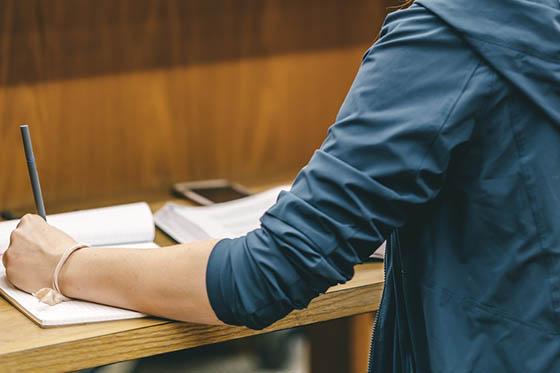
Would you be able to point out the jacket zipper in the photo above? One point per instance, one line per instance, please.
(381, 306)
(403, 282)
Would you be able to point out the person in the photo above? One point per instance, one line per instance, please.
(447, 146)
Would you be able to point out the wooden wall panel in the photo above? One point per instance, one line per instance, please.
(133, 95)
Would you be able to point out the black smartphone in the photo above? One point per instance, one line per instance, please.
(208, 192)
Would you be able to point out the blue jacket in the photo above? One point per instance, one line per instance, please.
(447, 145)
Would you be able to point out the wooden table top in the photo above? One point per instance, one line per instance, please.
(24, 346)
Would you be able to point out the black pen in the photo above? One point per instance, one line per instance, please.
(32, 168)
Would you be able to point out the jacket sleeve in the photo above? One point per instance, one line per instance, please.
(411, 105)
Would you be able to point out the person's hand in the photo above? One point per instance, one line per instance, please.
(35, 249)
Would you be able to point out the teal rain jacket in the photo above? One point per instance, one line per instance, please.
(447, 145)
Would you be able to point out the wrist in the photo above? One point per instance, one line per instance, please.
(69, 275)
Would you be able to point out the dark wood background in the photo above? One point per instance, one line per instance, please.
(128, 96)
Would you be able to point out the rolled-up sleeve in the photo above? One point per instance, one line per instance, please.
(410, 106)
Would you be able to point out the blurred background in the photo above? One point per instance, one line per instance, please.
(126, 97)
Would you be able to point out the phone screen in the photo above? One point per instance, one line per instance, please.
(219, 194)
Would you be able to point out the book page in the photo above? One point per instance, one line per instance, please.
(380, 252)
(66, 313)
(97, 227)
(222, 220)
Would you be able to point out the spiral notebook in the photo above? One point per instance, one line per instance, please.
(130, 226)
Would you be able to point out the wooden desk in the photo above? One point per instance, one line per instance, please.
(24, 346)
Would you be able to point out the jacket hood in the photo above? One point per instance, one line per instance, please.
(519, 38)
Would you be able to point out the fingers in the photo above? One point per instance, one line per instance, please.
(25, 222)
(13, 237)
(16, 233)
(29, 219)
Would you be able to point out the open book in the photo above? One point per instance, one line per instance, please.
(129, 225)
(222, 220)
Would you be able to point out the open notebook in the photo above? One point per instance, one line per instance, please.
(129, 225)
(222, 220)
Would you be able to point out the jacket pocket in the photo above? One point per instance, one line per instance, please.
(513, 262)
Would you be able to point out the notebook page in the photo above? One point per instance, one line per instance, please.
(102, 226)
(66, 313)
(223, 220)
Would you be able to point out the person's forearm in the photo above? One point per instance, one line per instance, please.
(169, 282)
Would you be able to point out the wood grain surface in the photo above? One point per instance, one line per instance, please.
(26, 347)
(132, 95)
